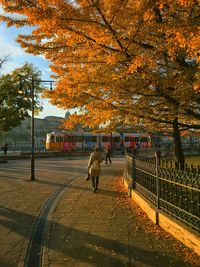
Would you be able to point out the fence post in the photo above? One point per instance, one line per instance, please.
(126, 165)
(133, 169)
(157, 154)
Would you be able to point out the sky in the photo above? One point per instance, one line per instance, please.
(8, 46)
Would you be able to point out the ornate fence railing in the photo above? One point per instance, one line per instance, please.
(167, 151)
(174, 191)
(167, 158)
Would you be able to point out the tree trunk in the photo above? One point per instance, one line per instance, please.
(180, 160)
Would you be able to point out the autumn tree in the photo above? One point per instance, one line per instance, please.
(15, 102)
(120, 61)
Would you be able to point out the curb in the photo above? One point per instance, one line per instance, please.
(187, 236)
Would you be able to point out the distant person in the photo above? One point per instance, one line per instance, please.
(5, 148)
(94, 167)
(138, 145)
(108, 154)
(122, 146)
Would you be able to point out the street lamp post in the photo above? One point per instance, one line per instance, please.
(32, 131)
(32, 91)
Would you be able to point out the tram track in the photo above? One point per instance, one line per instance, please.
(34, 253)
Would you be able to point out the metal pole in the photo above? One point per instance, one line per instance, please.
(111, 144)
(157, 189)
(32, 119)
(32, 131)
(133, 169)
(82, 140)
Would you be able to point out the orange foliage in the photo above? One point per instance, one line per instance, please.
(136, 60)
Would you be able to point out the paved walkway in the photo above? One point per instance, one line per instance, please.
(107, 229)
(83, 229)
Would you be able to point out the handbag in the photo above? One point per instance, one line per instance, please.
(87, 178)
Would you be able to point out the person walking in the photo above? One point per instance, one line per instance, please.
(122, 146)
(5, 148)
(108, 154)
(94, 169)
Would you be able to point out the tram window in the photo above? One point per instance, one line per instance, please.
(87, 138)
(52, 139)
(73, 139)
(65, 138)
(104, 138)
(68, 138)
(79, 138)
(90, 139)
(94, 138)
(59, 138)
(144, 139)
(116, 139)
(133, 139)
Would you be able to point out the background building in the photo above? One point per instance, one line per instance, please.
(19, 138)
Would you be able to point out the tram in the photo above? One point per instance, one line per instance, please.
(58, 141)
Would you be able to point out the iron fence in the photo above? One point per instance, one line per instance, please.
(167, 159)
(168, 150)
(174, 191)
